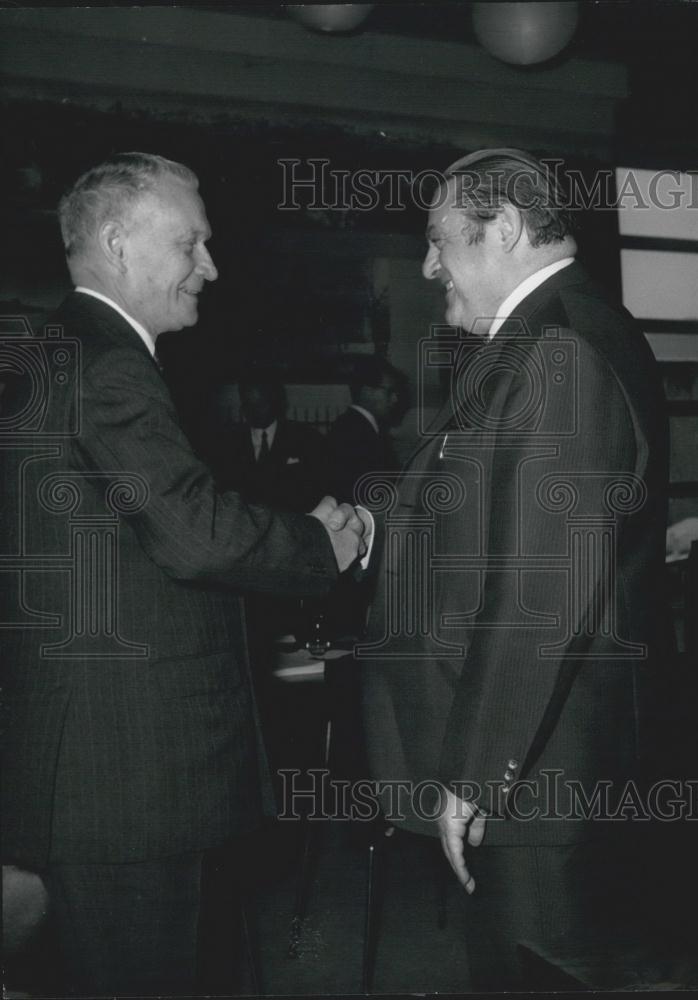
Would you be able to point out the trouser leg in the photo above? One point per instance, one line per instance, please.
(555, 917)
(129, 928)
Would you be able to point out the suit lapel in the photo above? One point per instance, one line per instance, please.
(479, 373)
(248, 447)
(459, 414)
(102, 311)
(454, 415)
(279, 446)
(89, 307)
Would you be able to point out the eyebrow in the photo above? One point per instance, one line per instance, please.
(195, 234)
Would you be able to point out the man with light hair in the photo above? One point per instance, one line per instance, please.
(133, 746)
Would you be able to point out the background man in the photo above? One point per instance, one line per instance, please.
(358, 440)
(554, 449)
(133, 745)
(266, 457)
(282, 463)
(359, 443)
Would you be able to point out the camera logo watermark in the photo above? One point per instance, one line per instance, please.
(61, 527)
(501, 442)
(44, 372)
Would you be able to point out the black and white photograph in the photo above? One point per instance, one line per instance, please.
(349, 525)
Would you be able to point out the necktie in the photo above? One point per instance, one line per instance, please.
(263, 448)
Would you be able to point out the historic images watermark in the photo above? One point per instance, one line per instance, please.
(550, 797)
(314, 184)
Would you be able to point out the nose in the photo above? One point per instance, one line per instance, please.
(431, 266)
(205, 266)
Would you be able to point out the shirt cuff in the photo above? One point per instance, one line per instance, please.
(367, 516)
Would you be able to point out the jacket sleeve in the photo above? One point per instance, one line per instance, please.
(188, 528)
(507, 682)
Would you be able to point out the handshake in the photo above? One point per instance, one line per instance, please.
(349, 528)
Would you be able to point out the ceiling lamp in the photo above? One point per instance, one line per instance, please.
(330, 16)
(524, 33)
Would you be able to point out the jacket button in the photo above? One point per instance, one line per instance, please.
(508, 775)
(512, 764)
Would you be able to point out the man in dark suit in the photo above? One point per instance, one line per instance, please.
(515, 631)
(283, 464)
(358, 440)
(133, 744)
(358, 443)
(267, 458)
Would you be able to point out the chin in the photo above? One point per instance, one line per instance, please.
(188, 320)
(453, 318)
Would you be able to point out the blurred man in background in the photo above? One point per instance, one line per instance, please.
(267, 458)
(359, 439)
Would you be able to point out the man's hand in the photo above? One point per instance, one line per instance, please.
(368, 523)
(680, 537)
(458, 820)
(345, 528)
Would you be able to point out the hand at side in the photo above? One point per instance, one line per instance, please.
(458, 820)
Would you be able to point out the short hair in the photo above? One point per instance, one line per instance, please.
(486, 180)
(109, 190)
(369, 372)
(268, 383)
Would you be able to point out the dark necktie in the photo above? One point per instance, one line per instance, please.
(263, 448)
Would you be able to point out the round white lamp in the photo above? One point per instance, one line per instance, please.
(525, 33)
(331, 16)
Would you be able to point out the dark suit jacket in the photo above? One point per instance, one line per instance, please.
(554, 620)
(292, 477)
(133, 732)
(355, 448)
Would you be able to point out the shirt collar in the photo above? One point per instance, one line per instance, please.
(147, 339)
(521, 291)
(369, 416)
(270, 431)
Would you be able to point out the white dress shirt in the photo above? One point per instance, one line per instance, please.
(147, 339)
(256, 435)
(369, 416)
(521, 291)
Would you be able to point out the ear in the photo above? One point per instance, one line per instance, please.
(112, 243)
(510, 226)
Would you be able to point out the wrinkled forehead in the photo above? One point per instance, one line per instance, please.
(172, 203)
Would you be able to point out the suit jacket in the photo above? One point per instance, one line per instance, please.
(132, 727)
(532, 649)
(292, 477)
(355, 448)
